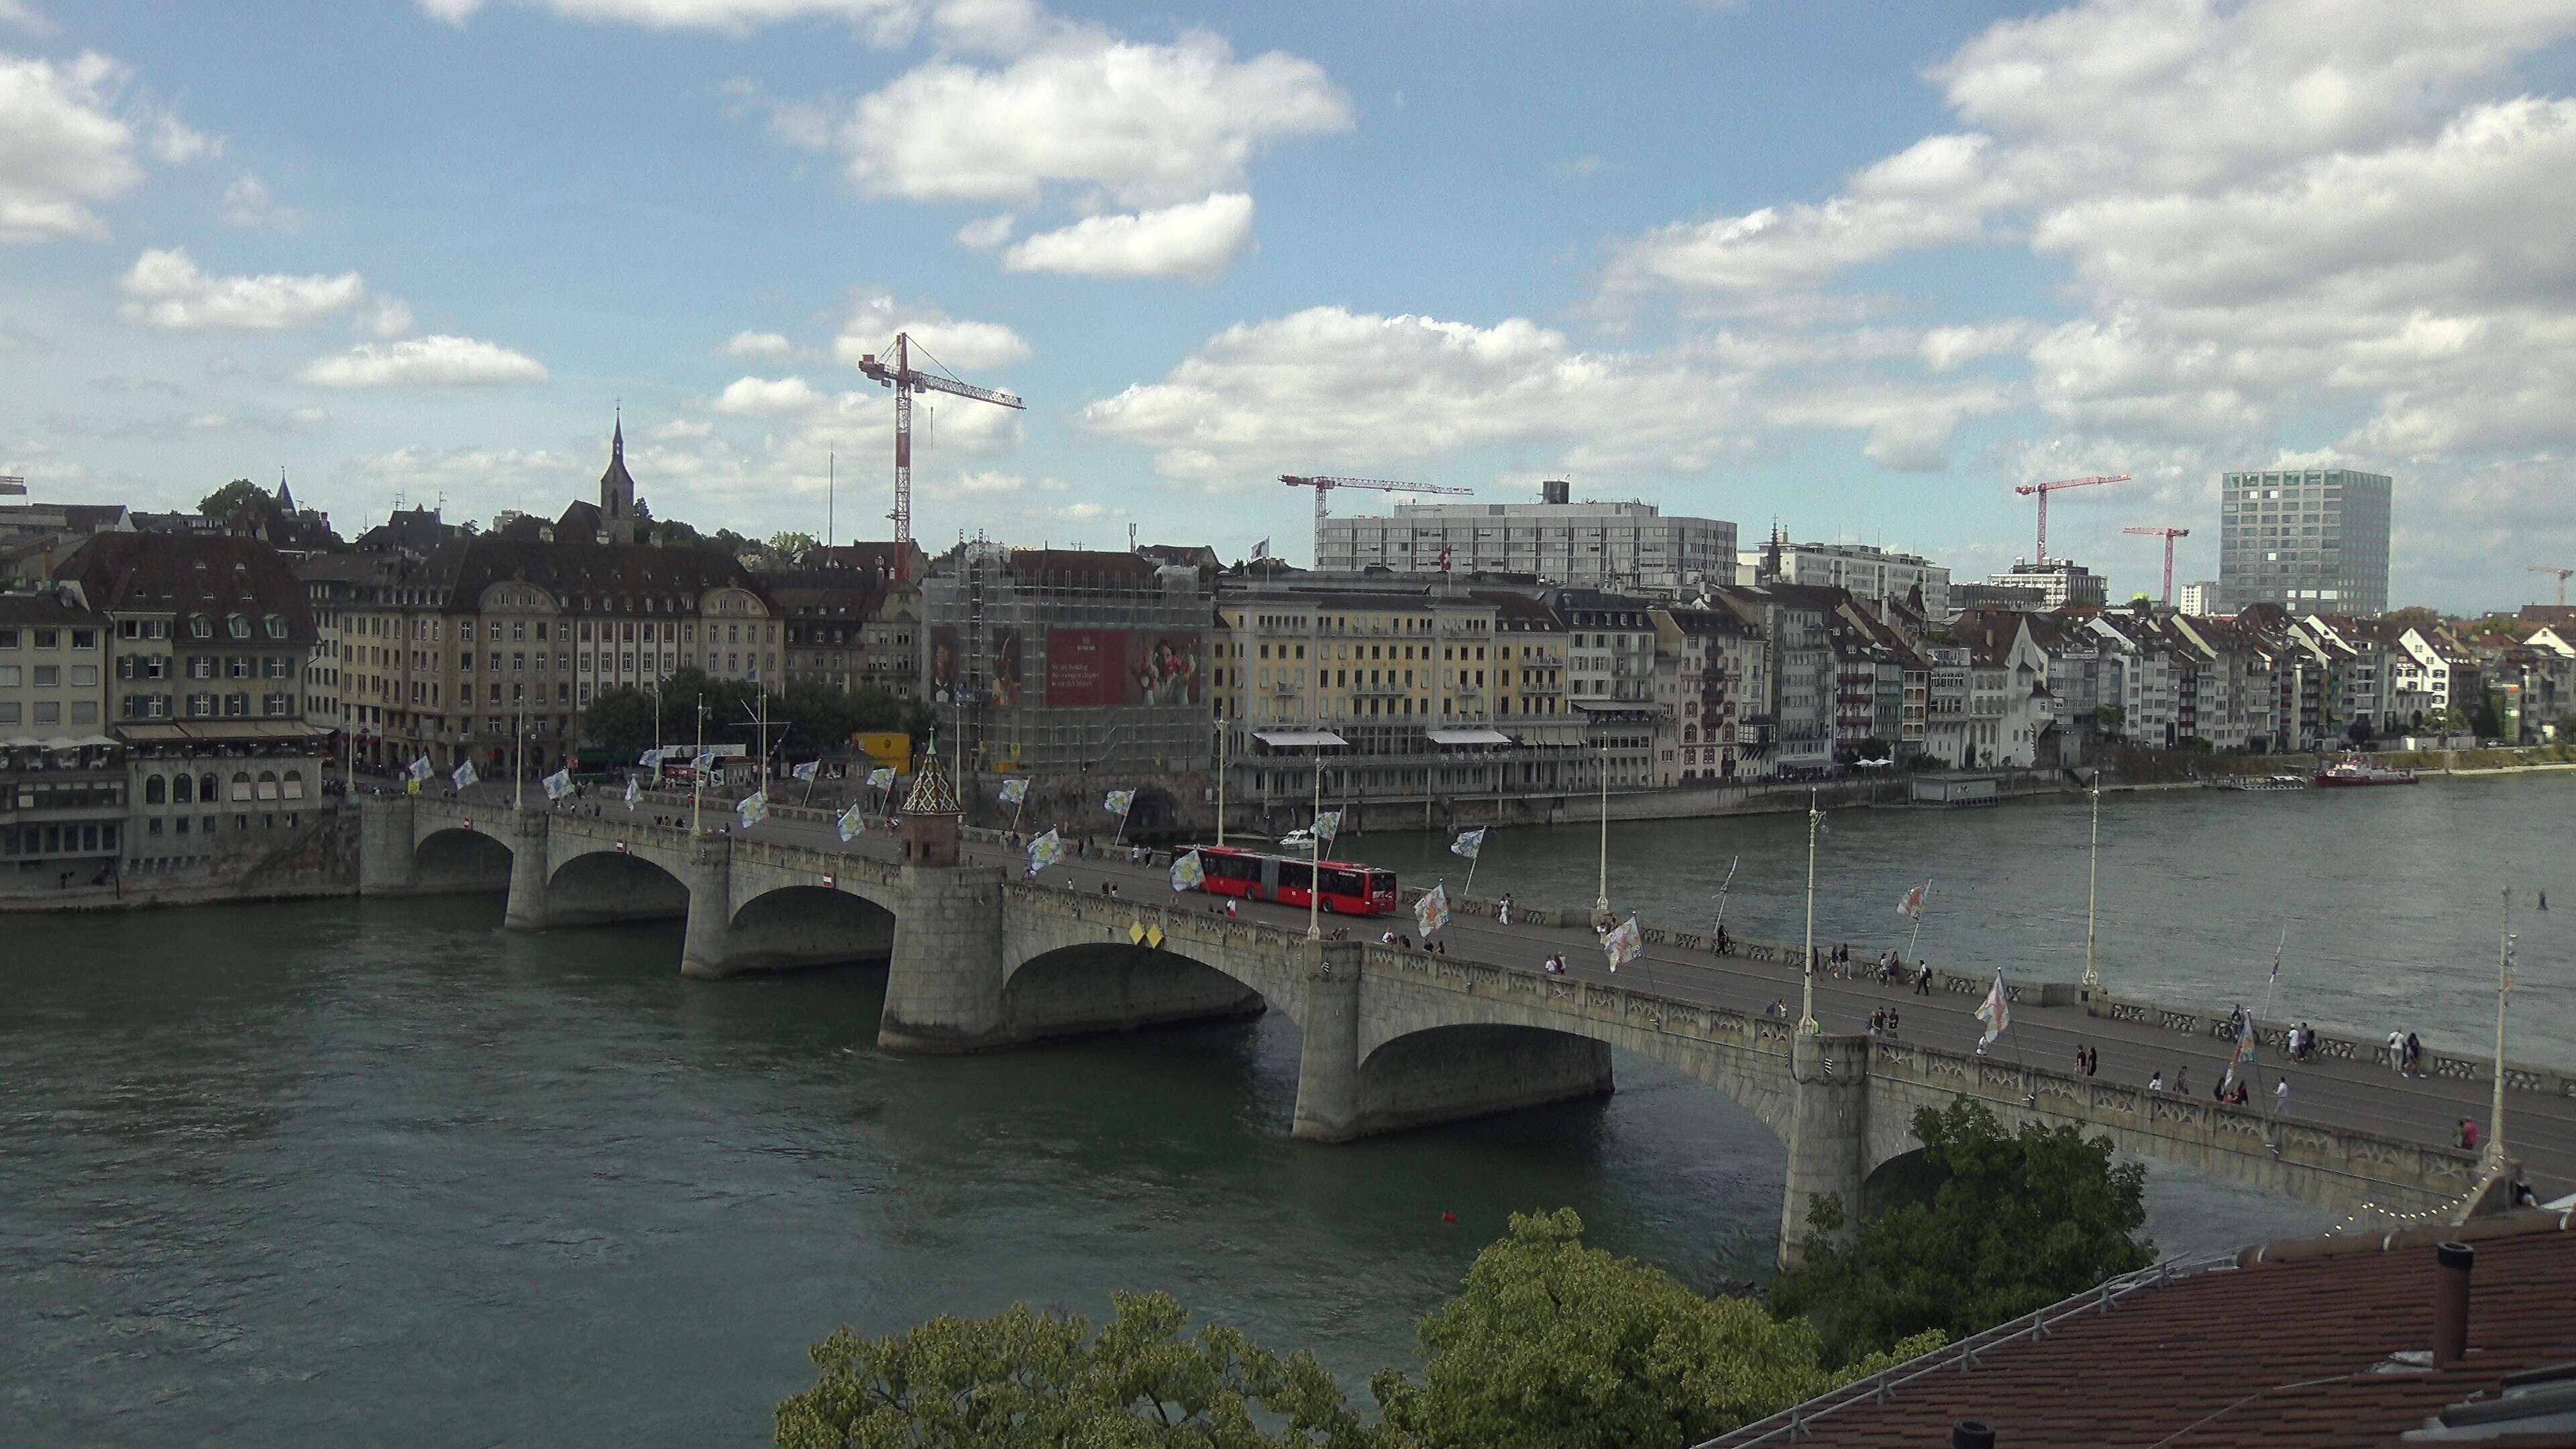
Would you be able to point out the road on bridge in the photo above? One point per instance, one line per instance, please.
(2539, 1129)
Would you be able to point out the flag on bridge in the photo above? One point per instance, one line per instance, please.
(465, 776)
(881, 778)
(1045, 851)
(1912, 904)
(420, 768)
(1470, 843)
(704, 763)
(1015, 791)
(1623, 943)
(1327, 825)
(1996, 1013)
(753, 808)
(851, 824)
(634, 792)
(805, 771)
(1432, 911)
(1119, 802)
(558, 784)
(652, 758)
(1188, 873)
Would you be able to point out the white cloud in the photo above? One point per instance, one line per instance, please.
(385, 317)
(169, 290)
(969, 345)
(209, 422)
(438, 361)
(307, 416)
(760, 397)
(62, 147)
(22, 15)
(1195, 239)
(757, 347)
(986, 482)
(176, 144)
(985, 233)
(1144, 125)
(249, 204)
(883, 19)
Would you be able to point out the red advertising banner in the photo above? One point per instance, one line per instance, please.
(1086, 668)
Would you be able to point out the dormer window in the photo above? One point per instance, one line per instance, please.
(201, 627)
(276, 626)
(237, 626)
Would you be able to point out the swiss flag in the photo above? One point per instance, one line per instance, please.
(1444, 558)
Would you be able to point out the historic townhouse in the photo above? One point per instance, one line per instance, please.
(1709, 680)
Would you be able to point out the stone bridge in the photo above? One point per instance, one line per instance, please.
(1391, 1038)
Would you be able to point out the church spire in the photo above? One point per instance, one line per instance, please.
(617, 488)
(285, 497)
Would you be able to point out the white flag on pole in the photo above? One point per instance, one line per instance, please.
(851, 823)
(805, 771)
(1189, 873)
(753, 808)
(1470, 843)
(1996, 1013)
(558, 784)
(881, 778)
(420, 769)
(1623, 943)
(1119, 802)
(1015, 791)
(465, 776)
(634, 792)
(1432, 911)
(1327, 825)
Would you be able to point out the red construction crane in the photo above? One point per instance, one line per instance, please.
(1323, 486)
(906, 381)
(2563, 576)
(2168, 535)
(2044, 489)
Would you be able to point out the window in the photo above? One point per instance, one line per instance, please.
(10, 677)
(84, 711)
(9, 711)
(156, 790)
(201, 627)
(237, 626)
(276, 626)
(49, 676)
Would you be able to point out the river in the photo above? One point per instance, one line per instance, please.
(328, 1173)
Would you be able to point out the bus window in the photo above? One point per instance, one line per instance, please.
(1345, 882)
(1231, 867)
(1295, 875)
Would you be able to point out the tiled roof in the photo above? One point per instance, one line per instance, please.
(2294, 1351)
(43, 609)
(211, 575)
(587, 578)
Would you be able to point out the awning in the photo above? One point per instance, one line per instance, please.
(1294, 738)
(1469, 737)
(1621, 707)
(219, 732)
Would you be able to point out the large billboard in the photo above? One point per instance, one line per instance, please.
(943, 662)
(1104, 668)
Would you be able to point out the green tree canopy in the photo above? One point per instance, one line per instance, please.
(1555, 1345)
(1025, 1380)
(230, 499)
(2017, 1222)
(790, 544)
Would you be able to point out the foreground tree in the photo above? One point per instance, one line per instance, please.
(232, 498)
(2017, 1221)
(1025, 1380)
(1554, 1345)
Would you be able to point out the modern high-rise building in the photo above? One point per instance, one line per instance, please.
(2199, 599)
(2312, 540)
(1556, 540)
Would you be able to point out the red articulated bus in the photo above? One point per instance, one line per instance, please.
(1349, 890)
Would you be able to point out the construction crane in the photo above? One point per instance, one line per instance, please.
(906, 380)
(1324, 486)
(2044, 489)
(2168, 535)
(2563, 576)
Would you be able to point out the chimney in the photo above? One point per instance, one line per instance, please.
(2451, 1302)
(1971, 1434)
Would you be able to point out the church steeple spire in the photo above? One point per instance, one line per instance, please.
(617, 488)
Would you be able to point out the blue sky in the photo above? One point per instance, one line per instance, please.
(1860, 267)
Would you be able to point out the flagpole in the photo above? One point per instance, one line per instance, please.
(2494, 1156)
(2092, 886)
(698, 772)
(1221, 741)
(1924, 905)
(1315, 860)
(1471, 869)
(519, 765)
(1601, 905)
(1807, 1007)
(1722, 888)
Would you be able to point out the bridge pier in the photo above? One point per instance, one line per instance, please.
(944, 984)
(387, 862)
(1828, 1134)
(708, 873)
(1328, 1060)
(529, 871)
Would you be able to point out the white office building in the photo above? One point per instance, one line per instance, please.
(2312, 540)
(2199, 600)
(1624, 546)
(2060, 582)
(1871, 574)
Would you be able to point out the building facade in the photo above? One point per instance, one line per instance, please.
(62, 777)
(2060, 583)
(1875, 575)
(2310, 540)
(1626, 545)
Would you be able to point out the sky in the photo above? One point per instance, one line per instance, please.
(1859, 268)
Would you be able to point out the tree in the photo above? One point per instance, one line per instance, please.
(2018, 1221)
(2110, 719)
(2359, 731)
(2447, 721)
(1025, 1380)
(232, 498)
(1554, 1345)
(789, 545)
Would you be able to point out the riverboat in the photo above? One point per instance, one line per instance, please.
(2354, 770)
(1350, 889)
(2265, 782)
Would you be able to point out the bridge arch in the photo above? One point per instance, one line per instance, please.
(1447, 1073)
(459, 859)
(609, 885)
(807, 925)
(1091, 987)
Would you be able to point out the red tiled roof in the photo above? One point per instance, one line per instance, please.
(2288, 1352)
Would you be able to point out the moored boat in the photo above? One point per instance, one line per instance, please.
(2354, 770)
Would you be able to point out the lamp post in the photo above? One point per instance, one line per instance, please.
(2092, 884)
(519, 757)
(1807, 1001)
(698, 771)
(1220, 783)
(2494, 1156)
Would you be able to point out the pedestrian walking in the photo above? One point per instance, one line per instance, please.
(2092, 1060)
(2079, 1061)
(2468, 1134)
(2397, 1052)
(1503, 910)
(1922, 978)
(2414, 1056)
(2182, 1082)
(2156, 1080)
(2281, 1097)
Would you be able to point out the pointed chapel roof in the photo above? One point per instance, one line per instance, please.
(285, 495)
(617, 474)
(931, 792)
